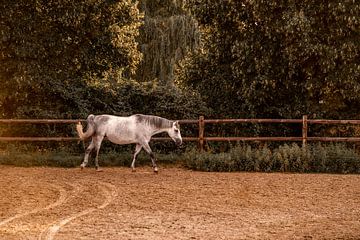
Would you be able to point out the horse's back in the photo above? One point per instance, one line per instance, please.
(120, 130)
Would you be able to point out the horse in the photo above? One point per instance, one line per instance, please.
(136, 129)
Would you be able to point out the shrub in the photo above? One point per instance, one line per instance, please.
(325, 158)
(330, 158)
(63, 158)
(334, 158)
(292, 158)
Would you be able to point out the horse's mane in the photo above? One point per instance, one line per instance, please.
(154, 121)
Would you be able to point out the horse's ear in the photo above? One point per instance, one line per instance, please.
(176, 124)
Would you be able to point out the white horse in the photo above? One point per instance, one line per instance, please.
(136, 129)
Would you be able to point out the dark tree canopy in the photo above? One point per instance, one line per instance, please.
(246, 58)
(277, 58)
(52, 49)
(169, 31)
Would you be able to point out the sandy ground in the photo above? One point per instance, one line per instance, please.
(57, 203)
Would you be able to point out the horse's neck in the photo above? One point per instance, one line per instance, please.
(158, 125)
(158, 130)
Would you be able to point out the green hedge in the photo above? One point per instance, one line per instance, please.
(318, 158)
(331, 158)
(62, 157)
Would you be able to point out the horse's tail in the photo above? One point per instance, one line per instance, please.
(90, 129)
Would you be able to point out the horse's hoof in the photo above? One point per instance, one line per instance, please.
(99, 170)
(156, 170)
(82, 167)
(133, 170)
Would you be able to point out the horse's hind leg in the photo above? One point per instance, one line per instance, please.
(97, 143)
(87, 153)
(137, 150)
(152, 156)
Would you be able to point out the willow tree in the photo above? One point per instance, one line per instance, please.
(277, 58)
(169, 31)
(51, 51)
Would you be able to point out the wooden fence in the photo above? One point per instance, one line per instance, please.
(201, 138)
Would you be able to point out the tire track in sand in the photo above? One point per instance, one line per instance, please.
(110, 193)
(61, 199)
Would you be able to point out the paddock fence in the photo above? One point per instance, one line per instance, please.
(201, 137)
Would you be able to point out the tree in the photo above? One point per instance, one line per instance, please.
(169, 31)
(52, 51)
(276, 58)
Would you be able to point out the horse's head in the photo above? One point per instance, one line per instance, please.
(174, 133)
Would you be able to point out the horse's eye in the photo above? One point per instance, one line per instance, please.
(176, 130)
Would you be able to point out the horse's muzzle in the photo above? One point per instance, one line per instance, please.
(178, 142)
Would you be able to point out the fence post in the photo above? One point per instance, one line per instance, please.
(201, 133)
(304, 130)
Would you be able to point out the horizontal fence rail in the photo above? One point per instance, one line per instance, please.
(201, 122)
(41, 121)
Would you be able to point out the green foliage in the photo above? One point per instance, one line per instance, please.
(125, 99)
(319, 158)
(52, 51)
(66, 59)
(52, 159)
(276, 58)
(292, 158)
(333, 158)
(167, 34)
(65, 158)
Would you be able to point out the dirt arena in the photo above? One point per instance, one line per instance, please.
(58, 203)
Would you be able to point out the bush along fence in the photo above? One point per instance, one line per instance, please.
(202, 138)
(289, 157)
(315, 157)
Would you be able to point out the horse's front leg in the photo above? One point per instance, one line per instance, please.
(137, 151)
(152, 156)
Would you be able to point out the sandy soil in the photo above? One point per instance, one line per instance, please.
(57, 203)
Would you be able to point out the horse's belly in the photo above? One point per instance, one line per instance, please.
(120, 140)
(121, 132)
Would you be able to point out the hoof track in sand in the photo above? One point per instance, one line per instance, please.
(59, 201)
(109, 191)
